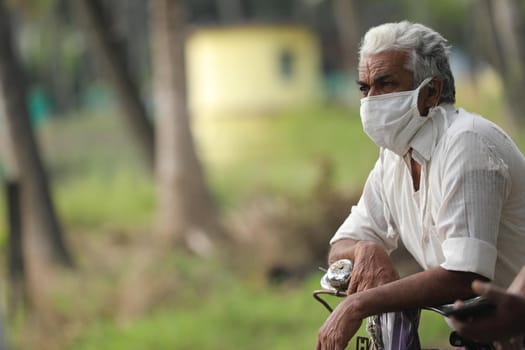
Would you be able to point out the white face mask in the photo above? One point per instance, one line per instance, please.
(392, 120)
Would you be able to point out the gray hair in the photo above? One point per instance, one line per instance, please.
(427, 49)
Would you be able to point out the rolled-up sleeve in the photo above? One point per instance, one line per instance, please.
(367, 221)
(475, 185)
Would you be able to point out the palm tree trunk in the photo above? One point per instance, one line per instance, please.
(110, 53)
(42, 233)
(15, 260)
(346, 22)
(503, 31)
(186, 210)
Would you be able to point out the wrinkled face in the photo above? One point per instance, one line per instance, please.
(384, 72)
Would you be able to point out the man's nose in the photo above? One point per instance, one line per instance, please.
(373, 91)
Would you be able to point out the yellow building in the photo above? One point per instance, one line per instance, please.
(251, 69)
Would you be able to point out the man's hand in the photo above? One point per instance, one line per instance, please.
(518, 285)
(340, 326)
(372, 267)
(507, 320)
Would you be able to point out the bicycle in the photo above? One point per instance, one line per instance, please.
(335, 282)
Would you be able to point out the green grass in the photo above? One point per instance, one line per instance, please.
(99, 180)
(123, 200)
(240, 317)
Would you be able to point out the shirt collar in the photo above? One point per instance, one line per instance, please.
(425, 140)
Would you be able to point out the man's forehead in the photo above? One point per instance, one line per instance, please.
(383, 63)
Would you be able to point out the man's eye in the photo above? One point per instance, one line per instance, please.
(364, 89)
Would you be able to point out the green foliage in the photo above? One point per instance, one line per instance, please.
(286, 153)
(124, 200)
(96, 173)
(97, 182)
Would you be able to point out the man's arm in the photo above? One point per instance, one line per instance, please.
(431, 287)
(435, 286)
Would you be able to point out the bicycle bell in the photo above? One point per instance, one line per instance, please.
(337, 277)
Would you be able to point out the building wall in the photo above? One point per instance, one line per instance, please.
(251, 69)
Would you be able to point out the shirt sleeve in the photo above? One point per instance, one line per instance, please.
(367, 221)
(475, 182)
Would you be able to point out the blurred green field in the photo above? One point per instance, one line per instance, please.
(237, 317)
(285, 153)
(102, 190)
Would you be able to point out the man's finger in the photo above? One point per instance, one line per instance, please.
(458, 304)
(488, 290)
(352, 288)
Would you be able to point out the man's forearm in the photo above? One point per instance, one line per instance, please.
(436, 286)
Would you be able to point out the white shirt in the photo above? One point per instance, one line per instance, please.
(469, 211)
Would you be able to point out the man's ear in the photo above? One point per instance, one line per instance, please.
(434, 91)
(430, 95)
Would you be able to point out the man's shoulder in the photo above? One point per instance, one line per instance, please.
(470, 136)
(463, 123)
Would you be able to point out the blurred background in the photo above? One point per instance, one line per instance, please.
(173, 170)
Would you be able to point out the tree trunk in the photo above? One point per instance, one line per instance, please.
(346, 22)
(505, 49)
(509, 27)
(16, 291)
(15, 257)
(3, 341)
(186, 210)
(112, 56)
(43, 240)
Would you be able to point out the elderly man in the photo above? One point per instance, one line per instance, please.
(448, 183)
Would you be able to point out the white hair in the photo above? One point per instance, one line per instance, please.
(427, 49)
